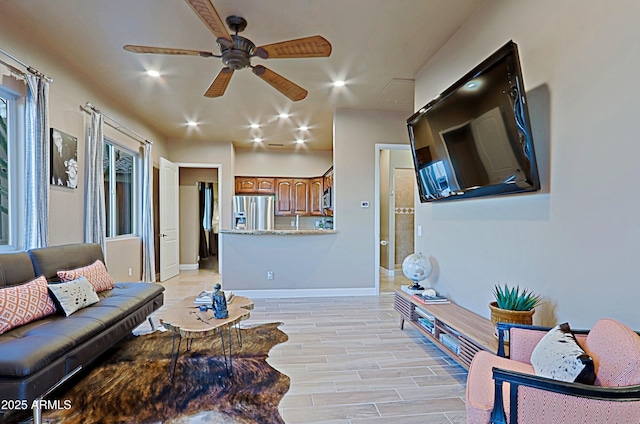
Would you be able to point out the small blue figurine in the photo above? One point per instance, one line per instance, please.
(219, 303)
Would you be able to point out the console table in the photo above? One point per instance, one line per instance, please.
(457, 331)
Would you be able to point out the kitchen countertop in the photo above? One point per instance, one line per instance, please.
(280, 232)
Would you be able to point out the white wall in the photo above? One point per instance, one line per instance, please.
(576, 241)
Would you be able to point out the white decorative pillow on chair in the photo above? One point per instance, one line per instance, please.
(559, 356)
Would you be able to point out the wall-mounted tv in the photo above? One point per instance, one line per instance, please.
(474, 139)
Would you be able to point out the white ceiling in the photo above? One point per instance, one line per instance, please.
(378, 47)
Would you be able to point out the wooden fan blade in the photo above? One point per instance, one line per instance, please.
(280, 83)
(219, 85)
(163, 50)
(315, 46)
(208, 14)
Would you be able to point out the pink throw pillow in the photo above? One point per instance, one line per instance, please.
(96, 274)
(22, 304)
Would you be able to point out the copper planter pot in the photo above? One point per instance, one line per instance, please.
(514, 317)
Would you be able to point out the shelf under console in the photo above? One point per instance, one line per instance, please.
(456, 330)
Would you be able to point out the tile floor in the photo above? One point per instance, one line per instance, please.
(348, 360)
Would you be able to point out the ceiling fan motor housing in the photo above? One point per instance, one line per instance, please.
(239, 55)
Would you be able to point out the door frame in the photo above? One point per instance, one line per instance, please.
(221, 209)
(379, 149)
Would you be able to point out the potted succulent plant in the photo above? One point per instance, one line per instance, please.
(513, 305)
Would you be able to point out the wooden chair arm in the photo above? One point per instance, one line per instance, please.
(516, 379)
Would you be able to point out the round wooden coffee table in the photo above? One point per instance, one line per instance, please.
(187, 321)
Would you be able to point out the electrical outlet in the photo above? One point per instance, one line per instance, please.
(269, 275)
(130, 272)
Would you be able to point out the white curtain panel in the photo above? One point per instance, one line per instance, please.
(148, 245)
(36, 228)
(94, 216)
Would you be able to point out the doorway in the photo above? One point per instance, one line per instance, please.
(184, 247)
(199, 218)
(394, 217)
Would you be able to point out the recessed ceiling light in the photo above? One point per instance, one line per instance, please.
(303, 128)
(283, 115)
(192, 123)
(152, 73)
(299, 141)
(257, 139)
(338, 83)
(255, 125)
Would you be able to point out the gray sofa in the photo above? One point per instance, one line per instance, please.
(36, 357)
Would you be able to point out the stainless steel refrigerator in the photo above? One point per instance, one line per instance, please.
(254, 212)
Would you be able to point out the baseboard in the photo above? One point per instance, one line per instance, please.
(189, 267)
(290, 293)
(387, 272)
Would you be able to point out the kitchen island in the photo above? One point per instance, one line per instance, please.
(284, 263)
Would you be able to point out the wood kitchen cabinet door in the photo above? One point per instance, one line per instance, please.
(246, 185)
(316, 190)
(265, 185)
(284, 196)
(300, 200)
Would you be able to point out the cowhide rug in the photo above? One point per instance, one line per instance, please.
(131, 383)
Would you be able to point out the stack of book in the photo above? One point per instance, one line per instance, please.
(426, 320)
(431, 299)
(451, 342)
(204, 298)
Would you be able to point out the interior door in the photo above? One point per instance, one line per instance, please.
(169, 242)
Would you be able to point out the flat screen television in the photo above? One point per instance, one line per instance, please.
(474, 139)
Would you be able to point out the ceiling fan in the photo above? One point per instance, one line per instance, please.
(236, 52)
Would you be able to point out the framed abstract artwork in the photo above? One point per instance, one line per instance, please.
(64, 159)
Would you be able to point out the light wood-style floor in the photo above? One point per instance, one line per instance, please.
(348, 360)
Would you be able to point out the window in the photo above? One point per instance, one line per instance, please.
(11, 181)
(120, 190)
(4, 174)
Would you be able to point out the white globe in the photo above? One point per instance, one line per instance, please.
(416, 267)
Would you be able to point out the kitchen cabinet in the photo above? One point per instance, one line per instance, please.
(292, 196)
(255, 185)
(284, 195)
(316, 190)
(300, 202)
(245, 185)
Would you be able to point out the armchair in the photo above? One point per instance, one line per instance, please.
(521, 397)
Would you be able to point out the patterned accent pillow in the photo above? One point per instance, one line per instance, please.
(559, 356)
(96, 273)
(74, 295)
(22, 304)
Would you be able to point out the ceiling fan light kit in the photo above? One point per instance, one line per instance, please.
(236, 52)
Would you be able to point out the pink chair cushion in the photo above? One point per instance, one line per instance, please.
(481, 387)
(538, 406)
(522, 342)
(615, 350)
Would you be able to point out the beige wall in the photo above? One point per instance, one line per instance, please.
(576, 241)
(342, 263)
(300, 163)
(189, 229)
(69, 90)
(189, 153)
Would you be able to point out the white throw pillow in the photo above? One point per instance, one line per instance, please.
(74, 295)
(559, 356)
